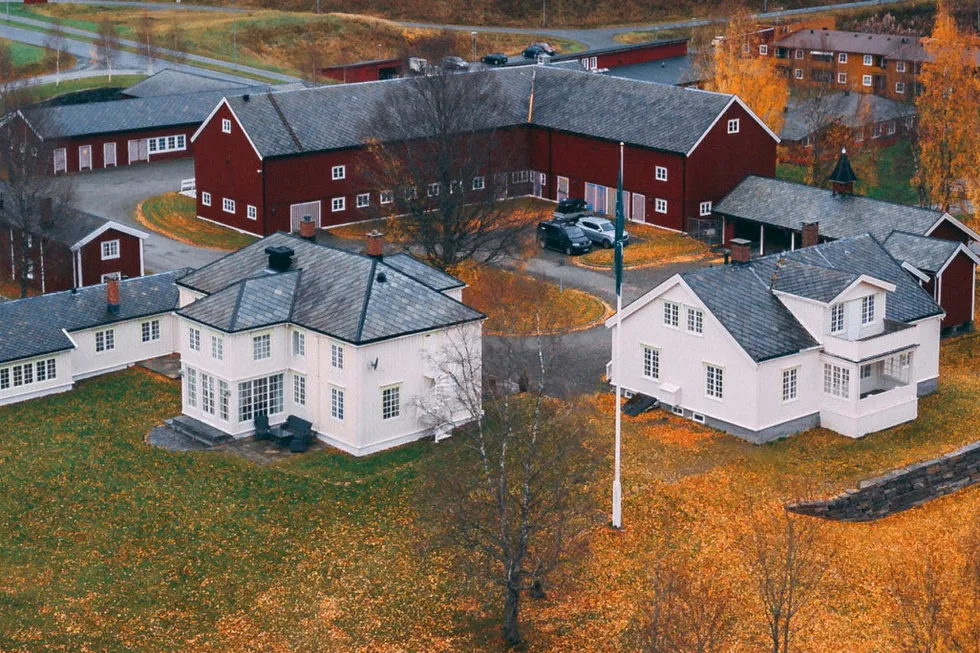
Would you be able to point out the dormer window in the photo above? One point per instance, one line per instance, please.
(868, 309)
(836, 318)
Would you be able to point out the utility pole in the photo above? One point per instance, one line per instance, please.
(473, 36)
(234, 35)
(544, 13)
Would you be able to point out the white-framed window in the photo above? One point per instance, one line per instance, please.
(191, 386)
(260, 397)
(836, 381)
(660, 205)
(391, 402)
(660, 173)
(411, 193)
(866, 371)
(891, 127)
(338, 172)
(105, 340)
(705, 208)
(299, 389)
(150, 331)
(877, 130)
(251, 212)
(868, 309)
(225, 126)
(841, 78)
(733, 125)
(799, 53)
(261, 347)
(224, 396)
(217, 347)
(651, 363)
(697, 417)
(46, 370)
(798, 73)
(194, 339)
(695, 320)
(206, 198)
(836, 318)
(479, 183)
(161, 144)
(672, 311)
(859, 135)
(207, 393)
(900, 66)
(900, 87)
(869, 60)
(227, 205)
(299, 343)
(386, 197)
(520, 177)
(866, 80)
(110, 250)
(336, 403)
(842, 57)
(763, 49)
(363, 200)
(791, 383)
(338, 204)
(432, 190)
(714, 381)
(337, 356)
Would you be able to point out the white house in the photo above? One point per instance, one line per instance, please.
(353, 343)
(835, 335)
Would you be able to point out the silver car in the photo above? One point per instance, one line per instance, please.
(600, 230)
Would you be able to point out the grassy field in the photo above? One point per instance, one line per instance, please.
(47, 91)
(175, 216)
(31, 60)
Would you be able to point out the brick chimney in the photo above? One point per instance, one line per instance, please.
(307, 228)
(741, 252)
(112, 295)
(375, 244)
(811, 234)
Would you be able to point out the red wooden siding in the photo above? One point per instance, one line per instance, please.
(956, 291)
(948, 231)
(364, 71)
(121, 140)
(639, 54)
(128, 263)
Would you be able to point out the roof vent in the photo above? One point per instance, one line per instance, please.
(382, 277)
(246, 97)
(280, 258)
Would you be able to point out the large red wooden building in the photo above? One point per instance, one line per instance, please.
(263, 161)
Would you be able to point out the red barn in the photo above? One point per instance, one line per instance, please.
(75, 249)
(262, 161)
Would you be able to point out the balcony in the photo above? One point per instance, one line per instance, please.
(895, 337)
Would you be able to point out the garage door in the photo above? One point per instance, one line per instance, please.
(60, 160)
(297, 211)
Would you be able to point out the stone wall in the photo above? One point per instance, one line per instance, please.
(900, 489)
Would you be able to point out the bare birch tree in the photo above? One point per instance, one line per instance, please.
(55, 42)
(145, 35)
(177, 41)
(104, 46)
(923, 621)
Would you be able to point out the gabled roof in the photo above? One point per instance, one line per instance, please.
(347, 296)
(810, 281)
(828, 40)
(176, 82)
(805, 116)
(925, 253)
(35, 326)
(74, 228)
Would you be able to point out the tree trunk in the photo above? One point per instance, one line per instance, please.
(512, 635)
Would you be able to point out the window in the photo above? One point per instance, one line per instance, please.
(299, 389)
(217, 347)
(479, 183)
(150, 331)
(336, 403)
(194, 339)
(836, 381)
(227, 205)
(799, 54)
(891, 127)
(671, 314)
(207, 393)
(363, 200)
(206, 199)
(733, 126)
(866, 371)
(105, 340)
(869, 60)
(677, 410)
(868, 309)
(28, 373)
(337, 356)
(223, 396)
(191, 385)
(764, 50)
(660, 206)
(225, 126)
(432, 190)
(866, 80)
(299, 343)
(900, 88)
(261, 347)
(705, 208)
(651, 363)
(391, 402)
(260, 397)
(798, 73)
(251, 212)
(842, 57)
(338, 204)
(714, 380)
(790, 383)
(520, 177)
(386, 197)
(695, 320)
(859, 134)
(110, 250)
(338, 172)
(167, 144)
(878, 130)
(900, 66)
(660, 173)
(4, 378)
(841, 78)
(411, 193)
(837, 318)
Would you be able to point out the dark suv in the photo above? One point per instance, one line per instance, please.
(495, 59)
(564, 237)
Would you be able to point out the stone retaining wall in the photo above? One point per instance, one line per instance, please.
(900, 489)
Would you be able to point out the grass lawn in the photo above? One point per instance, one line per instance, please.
(43, 92)
(650, 247)
(31, 60)
(174, 216)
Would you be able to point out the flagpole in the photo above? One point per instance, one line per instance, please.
(617, 507)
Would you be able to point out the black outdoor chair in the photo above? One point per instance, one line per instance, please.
(262, 430)
(302, 431)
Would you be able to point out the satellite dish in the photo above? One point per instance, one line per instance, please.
(374, 364)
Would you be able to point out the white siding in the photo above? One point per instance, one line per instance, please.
(129, 347)
(60, 383)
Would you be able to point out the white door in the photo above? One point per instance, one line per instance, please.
(144, 150)
(84, 157)
(562, 193)
(60, 160)
(109, 155)
(297, 211)
(134, 151)
(540, 183)
(639, 207)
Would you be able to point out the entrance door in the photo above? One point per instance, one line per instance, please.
(562, 193)
(134, 151)
(144, 149)
(109, 155)
(60, 160)
(297, 211)
(84, 157)
(540, 183)
(639, 207)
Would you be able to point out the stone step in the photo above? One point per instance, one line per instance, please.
(198, 430)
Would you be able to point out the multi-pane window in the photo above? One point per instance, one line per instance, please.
(869, 60)
(251, 212)
(338, 172)
(225, 126)
(206, 198)
(338, 204)
(866, 80)
(660, 173)
(163, 144)
(194, 339)
(836, 380)
(28, 373)
(432, 190)
(837, 318)
(866, 371)
(790, 383)
(110, 250)
(733, 126)
(227, 205)
(223, 396)
(798, 73)
(479, 183)
(46, 370)
(260, 397)
(150, 331)
(363, 200)
(191, 386)
(714, 381)
(900, 66)
(671, 314)
(207, 393)
(841, 78)
(705, 208)
(842, 57)
(763, 49)
(299, 389)
(386, 197)
(261, 347)
(391, 402)
(336, 403)
(4, 378)
(900, 87)
(695, 320)
(868, 309)
(217, 347)
(337, 356)
(105, 340)
(299, 343)
(651, 363)
(660, 205)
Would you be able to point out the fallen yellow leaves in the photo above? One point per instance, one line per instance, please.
(650, 247)
(175, 216)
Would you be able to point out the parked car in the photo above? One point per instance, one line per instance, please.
(495, 59)
(600, 230)
(537, 49)
(571, 208)
(455, 63)
(564, 237)
(548, 50)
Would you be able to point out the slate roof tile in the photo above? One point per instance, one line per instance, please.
(925, 253)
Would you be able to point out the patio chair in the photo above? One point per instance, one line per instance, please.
(262, 430)
(301, 438)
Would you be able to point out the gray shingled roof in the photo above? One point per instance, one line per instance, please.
(805, 116)
(175, 82)
(345, 295)
(811, 281)
(925, 253)
(676, 71)
(788, 205)
(838, 41)
(69, 225)
(430, 276)
(34, 326)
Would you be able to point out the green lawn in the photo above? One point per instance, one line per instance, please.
(47, 91)
(175, 216)
(24, 54)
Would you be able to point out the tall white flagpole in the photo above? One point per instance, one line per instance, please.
(617, 507)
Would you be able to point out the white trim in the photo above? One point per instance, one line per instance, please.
(107, 245)
(865, 278)
(224, 101)
(962, 248)
(915, 272)
(228, 226)
(956, 223)
(735, 100)
(110, 225)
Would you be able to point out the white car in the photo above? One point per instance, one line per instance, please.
(600, 230)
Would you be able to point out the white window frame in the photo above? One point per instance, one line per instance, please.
(695, 320)
(867, 80)
(714, 382)
(338, 172)
(836, 381)
(228, 205)
(299, 344)
(110, 250)
(105, 340)
(900, 88)
(705, 208)
(338, 204)
(336, 356)
(217, 347)
(866, 371)
(841, 78)
(386, 197)
(262, 347)
(791, 384)
(225, 126)
(191, 386)
(672, 314)
(868, 306)
(363, 200)
(660, 205)
(798, 73)
(842, 57)
(660, 173)
(651, 362)
(193, 339)
(299, 389)
(391, 409)
(869, 60)
(337, 406)
(799, 53)
(432, 190)
(837, 322)
(150, 331)
(479, 182)
(734, 124)
(206, 198)
(251, 212)
(763, 49)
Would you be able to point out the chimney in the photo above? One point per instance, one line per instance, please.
(280, 258)
(740, 250)
(307, 228)
(112, 295)
(375, 244)
(811, 234)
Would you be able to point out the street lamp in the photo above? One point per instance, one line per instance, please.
(473, 36)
